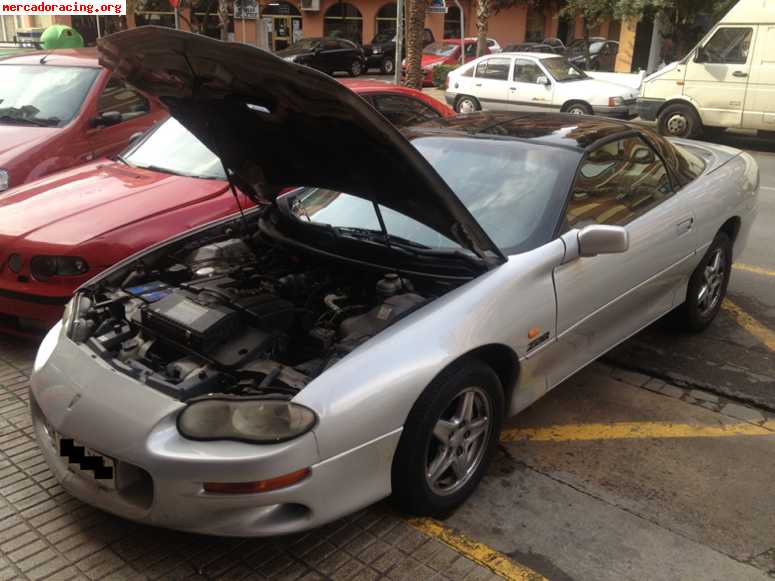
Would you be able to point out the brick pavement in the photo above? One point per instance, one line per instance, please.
(46, 534)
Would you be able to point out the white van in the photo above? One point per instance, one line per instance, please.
(726, 81)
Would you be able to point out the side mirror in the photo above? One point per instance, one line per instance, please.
(599, 239)
(107, 119)
(542, 80)
(134, 138)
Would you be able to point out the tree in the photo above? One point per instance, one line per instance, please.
(595, 12)
(487, 8)
(415, 25)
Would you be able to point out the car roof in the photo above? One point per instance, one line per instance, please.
(537, 55)
(575, 132)
(62, 57)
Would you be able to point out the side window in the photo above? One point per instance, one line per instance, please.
(495, 68)
(345, 44)
(404, 111)
(120, 97)
(329, 45)
(526, 71)
(617, 183)
(728, 46)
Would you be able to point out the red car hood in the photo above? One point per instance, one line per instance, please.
(75, 206)
(429, 59)
(16, 139)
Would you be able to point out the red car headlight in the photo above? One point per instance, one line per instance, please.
(44, 267)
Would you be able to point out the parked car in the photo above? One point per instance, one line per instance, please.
(576, 47)
(330, 55)
(444, 52)
(58, 232)
(557, 45)
(493, 45)
(602, 56)
(381, 53)
(60, 109)
(529, 47)
(535, 82)
(726, 81)
(268, 374)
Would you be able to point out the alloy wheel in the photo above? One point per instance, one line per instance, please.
(388, 67)
(576, 110)
(712, 282)
(356, 68)
(466, 106)
(459, 442)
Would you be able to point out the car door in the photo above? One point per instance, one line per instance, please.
(604, 299)
(344, 55)
(325, 59)
(120, 114)
(491, 82)
(403, 111)
(717, 75)
(526, 93)
(759, 109)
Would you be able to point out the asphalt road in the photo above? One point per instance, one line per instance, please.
(735, 356)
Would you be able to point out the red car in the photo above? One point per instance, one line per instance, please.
(58, 232)
(445, 52)
(59, 109)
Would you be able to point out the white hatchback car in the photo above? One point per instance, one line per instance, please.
(535, 82)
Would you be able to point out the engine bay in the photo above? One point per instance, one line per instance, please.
(240, 315)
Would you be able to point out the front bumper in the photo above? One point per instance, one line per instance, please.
(648, 109)
(82, 398)
(627, 111)
(374, 61)
(29, 313)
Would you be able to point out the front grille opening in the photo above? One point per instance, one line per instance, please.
(134, 484)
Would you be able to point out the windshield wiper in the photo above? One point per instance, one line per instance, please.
(29, 121)
(388, 240)
(160, 169)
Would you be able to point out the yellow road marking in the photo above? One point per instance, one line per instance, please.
(750, 324)
(630, 430)
(477, 552)
(752, 268)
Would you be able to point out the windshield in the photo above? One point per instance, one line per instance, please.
(173, 149)
(307, 44)
(595, 47)
(43, 95)
(562, 70)
(384, 36)
(513, 189)
(440, 49)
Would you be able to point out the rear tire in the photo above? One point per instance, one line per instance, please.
(679, 120)
(388, 66)
(448, 440)
(467, 104)
(707, 287)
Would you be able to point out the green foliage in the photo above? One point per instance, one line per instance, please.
(440, 73)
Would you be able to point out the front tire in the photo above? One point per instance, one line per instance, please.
(578, 109)
(466, 104)
(679, 120)
(707, 287)
(388, 66)
(356, 68)
(448, 440)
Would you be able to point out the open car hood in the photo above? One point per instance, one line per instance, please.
(275, 125)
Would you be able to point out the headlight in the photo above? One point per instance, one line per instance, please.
(615, 101)
(253, 420)
(434, 65)
(290, 59)
(376, 50)
(4, 180)
(44, 267)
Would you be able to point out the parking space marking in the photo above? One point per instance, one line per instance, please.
(477, 552)
(747, 322)
(754, 269)
(630, 430)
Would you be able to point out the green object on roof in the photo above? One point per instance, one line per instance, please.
(60, 36)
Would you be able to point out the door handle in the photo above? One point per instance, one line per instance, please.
(512, 88)
(685, 225)
(478, 85)
(739, 74)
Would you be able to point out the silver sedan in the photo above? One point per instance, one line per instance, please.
(363, 331)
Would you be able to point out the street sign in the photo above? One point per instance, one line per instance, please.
(437, 7)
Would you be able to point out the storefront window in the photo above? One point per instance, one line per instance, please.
(343, 20)
(156, 12)
(535, 25)
(386, 18)
(452, 22)
(286, 24)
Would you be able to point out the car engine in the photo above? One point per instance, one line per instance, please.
(238, 316)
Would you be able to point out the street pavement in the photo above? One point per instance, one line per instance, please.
(653, 463)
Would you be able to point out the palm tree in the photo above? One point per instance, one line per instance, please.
(483, 10)
(415, 24)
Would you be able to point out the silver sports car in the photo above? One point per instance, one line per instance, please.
(363, 332)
